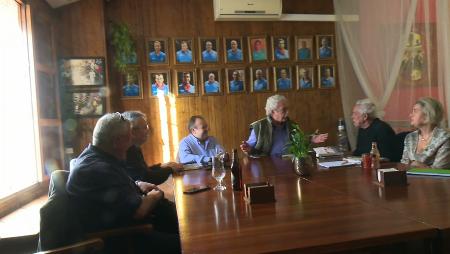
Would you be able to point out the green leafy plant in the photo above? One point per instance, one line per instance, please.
(124, 46)
(299, 143)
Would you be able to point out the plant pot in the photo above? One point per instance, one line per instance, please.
(302, 166)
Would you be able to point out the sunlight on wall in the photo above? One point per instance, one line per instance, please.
(174, 125)
(164, 128)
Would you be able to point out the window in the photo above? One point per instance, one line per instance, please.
(19, 167)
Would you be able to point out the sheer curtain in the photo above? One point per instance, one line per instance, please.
(393, 54)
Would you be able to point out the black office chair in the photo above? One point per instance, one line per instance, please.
(400, 144)
(60, 230)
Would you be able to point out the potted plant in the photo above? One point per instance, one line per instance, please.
(124, 46)
(299, 146)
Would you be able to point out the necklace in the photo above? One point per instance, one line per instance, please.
(422, 138)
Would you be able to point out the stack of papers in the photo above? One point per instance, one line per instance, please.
(341, 163)
(194, 166)
(429, 172)
(327, 151)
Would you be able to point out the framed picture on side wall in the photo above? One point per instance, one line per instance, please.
(325, 47)
(82, 71)
(257, 48)
(88, 103)
(281, 48)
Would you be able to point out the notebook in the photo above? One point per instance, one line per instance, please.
(429, 172)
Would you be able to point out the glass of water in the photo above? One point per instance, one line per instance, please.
(218, 172)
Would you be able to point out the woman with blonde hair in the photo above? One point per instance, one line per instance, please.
(429, 145)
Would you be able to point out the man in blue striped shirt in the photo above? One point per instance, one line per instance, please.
(198, 147)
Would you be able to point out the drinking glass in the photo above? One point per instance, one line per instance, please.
(218, 172)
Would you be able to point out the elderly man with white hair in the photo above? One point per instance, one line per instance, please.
(104, 196)
(270, 135)
(372, 129)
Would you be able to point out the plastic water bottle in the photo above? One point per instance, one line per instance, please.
(342, 140)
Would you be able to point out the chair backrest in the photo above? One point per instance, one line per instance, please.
(400, 144)
(59, 225)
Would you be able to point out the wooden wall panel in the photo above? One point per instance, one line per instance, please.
(81, 33)
(228, 115)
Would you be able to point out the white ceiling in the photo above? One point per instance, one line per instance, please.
(59, 3)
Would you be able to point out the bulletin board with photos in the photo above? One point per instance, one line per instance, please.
(211, 66)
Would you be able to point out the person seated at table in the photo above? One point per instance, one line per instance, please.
(198, 147)
(103, 196)
(270, 135)
(372, 129)
(429, 145)
(136, 167)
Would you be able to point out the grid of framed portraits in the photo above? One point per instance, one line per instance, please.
(209, 66)
(83, 80)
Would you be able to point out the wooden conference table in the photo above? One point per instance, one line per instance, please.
(329, 211)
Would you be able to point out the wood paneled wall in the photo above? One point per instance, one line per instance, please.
(82, 33)
(229, 116)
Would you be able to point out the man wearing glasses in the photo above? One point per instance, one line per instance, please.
(137, 168)
(270, 136)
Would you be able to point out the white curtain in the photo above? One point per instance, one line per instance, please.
(393, 54)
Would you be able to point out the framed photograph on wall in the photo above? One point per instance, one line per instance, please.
(159, 82)
(327, 75)
(184, 50)
(305, 77)
(131, 84)
(82, 71)
(211, 82)
(186, 83)
(257, 48)
(281, 48)
(88, 103)
(304, 48)
(325, 47)
(157, 52)
(282, 76)
(235, 80)
(259, 79)
(233, 50)
(209, 49)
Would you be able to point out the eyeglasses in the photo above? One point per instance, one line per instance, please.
(281, 110)
(120, 116)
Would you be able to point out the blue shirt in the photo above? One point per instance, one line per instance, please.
(158, 92)
(182, 90)
(211, 87)
(328, 82)
(192, 150)
(304, 54)
(280, 140)
(305, 83)
(131, 90)
(284, 84)
(210, 56)
(260, 85)
(234, 56)
(184, 56)
(157, 58)
(236, 86)
(259, 55)
(325, 52)
(279, 55)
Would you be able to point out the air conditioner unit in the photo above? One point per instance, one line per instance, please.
(247, 9)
